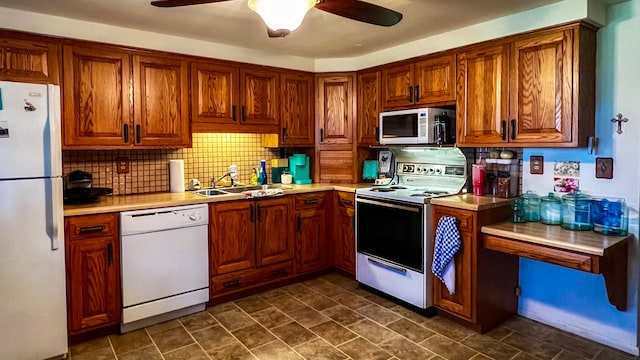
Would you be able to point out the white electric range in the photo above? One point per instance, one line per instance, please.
(394, 235)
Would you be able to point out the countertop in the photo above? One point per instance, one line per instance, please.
(108, 204)
(470, 202)
(586, 242)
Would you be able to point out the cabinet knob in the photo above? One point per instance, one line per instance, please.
(410, 93)
(233, 113)
(416, 92)
(125, 133)
(513, 129)
(503, 130)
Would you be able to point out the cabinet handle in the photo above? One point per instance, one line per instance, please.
(259, 212)
(252, 215)
(309, 202)
(353, 223)
(232, 283)
(503, 130)
(233, 113)
(377, 133)
(92, 229)
(244, 114)
(321, 134)
(138, 134)
(416, 92)
(284, 134)
(410, 93)
(299, 223)
(126, 133)
(513, 129)
(279, 272)
(346, 202)
(109, 253)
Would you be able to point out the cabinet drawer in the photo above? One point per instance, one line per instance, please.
(464, 218)
(346, 199)
(310, 201)
(91, 226)
(240, 280)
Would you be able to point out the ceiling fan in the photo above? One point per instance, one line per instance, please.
(284, 16)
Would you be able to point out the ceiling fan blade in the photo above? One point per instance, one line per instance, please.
(277, 33)
(361, 11)
(174, 3)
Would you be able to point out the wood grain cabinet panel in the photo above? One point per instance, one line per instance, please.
(296, 109)
(96, 97)
(27, 58)
(335, 108)
(161, 101)
(259, 97)
(93, 273)
(368, 108)
(232, 237)
(311, 239)
(214, 93)
(274, 241)
(345, 245)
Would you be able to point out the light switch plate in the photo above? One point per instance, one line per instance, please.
(536, 164)
(604, 168)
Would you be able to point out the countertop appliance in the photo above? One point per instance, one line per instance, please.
(413, 126)
(33, 307)
(165, 264)
(394, 235)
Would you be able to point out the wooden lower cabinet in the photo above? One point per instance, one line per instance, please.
(93, 272)
(344, 232)
(486, 281)
(311, 239)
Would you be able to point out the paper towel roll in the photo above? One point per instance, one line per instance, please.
(176, 175)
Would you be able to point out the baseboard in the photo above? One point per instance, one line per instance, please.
(563, 321)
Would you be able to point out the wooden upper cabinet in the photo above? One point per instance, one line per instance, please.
(259, 97)
(214, 93)
(335, 108)
(96, 98)
(296, 109)
(29, 59)
(483, 98)
(430, 81)
(532, 90)
(368, 108)
(161, 101)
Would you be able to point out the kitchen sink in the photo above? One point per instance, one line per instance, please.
(240, 189)
(209, 192)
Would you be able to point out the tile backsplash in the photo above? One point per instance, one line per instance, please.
(210, 155)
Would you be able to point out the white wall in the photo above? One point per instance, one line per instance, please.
(574, 300)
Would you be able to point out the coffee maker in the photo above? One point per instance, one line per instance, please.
(299, 167)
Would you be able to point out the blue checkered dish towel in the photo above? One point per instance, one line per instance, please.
(448, 242)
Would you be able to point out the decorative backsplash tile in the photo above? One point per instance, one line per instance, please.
(210, 155)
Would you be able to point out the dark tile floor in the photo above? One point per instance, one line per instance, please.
(330, 317)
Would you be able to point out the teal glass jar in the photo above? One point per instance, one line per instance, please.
(610, 216)
(518, 211)
(550, 209)
(531, 202)
(576, 210)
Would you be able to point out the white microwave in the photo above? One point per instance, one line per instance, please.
(414, 126)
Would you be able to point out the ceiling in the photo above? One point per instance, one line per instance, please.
(321, 35)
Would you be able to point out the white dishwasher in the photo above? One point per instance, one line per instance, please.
(165, 264)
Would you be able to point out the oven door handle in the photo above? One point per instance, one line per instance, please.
(389, 205)
(387, 266)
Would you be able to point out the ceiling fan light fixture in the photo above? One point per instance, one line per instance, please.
(282, 14)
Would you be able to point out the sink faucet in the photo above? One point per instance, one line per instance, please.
(214, 181)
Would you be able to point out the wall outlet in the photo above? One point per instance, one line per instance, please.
(536, 165)
(122, 164)
(604, 168)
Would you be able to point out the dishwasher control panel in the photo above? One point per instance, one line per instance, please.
(149, 220)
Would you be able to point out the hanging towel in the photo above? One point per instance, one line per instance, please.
(447, 244)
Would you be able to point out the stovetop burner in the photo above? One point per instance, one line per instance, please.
(382, 189)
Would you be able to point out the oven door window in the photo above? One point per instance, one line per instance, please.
(400, 126)
(393, 233)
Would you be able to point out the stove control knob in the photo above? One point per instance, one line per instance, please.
(405, 168)
(438, 171)
(430, 170)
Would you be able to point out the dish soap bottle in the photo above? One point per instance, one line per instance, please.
(263, 172)
(254, 177)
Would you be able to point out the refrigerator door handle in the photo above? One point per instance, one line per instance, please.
(55, 130)
(56, 211)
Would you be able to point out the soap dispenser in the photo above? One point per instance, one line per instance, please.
(263, 172)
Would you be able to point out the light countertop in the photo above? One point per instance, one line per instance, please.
(586, 242)
(108, 204)
(470, 202)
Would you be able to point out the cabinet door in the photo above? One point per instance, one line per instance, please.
(368, 108)
(259, 97)
(274, 231)
(296, 108)
(397, 87)
(214, 93)
(28, 60)
(435, 80)
(482, 104)
(161, 101)
(96, 98)
(93, 283)
(541, 88)
(232, 237)
(335, 108)
(345, 246)
(460, 302)
(310, 240)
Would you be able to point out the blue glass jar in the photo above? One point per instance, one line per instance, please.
(610, 216)
(531, 203)
(576, 209)
(550, 209)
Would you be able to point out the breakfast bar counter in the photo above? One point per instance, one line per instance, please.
(580, 250)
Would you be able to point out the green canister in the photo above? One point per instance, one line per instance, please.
(531, 203)
(550, 209)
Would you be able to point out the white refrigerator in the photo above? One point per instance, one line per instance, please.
(33, 316)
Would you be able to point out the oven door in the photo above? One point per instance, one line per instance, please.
(393, 231)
